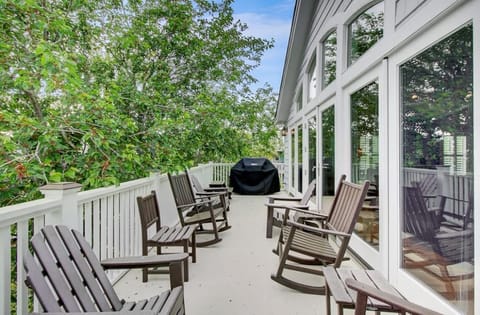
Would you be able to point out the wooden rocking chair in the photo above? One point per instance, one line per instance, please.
(277, 205)
(306, 240)
(434, 248)
(221, 192)
(199, 211)
(164, 235)
(67, 277)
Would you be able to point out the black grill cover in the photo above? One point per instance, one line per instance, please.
(254, 176)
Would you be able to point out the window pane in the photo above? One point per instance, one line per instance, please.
(292, 157)
(312, 78)
(312, 148)
(329, 58)
(328, 154)
(299, 100)
(300, 157)
(437, 165)
(364, 115)
(365, 31)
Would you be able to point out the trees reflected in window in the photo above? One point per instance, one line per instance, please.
(364, 159)
(329, 58)
(437, 159)
(365, 31)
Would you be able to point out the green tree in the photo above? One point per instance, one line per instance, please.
(101, 92)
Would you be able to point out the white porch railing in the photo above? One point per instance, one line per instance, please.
(108, 218)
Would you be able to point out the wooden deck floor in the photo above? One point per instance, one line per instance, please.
(233, 276)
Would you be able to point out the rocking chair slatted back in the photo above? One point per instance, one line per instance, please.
(182, 189)
(347, 198)
(150, 214)
(81, 285)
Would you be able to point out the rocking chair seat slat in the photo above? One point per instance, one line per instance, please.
(315, 246)
(202, 217)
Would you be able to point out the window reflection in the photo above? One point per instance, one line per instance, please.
(312, 78)
(300, 158)
(437, 160)
(364, 133)
(365, 31)
(329, 58)
(328, 152)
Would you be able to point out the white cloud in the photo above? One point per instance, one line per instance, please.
(265, 26)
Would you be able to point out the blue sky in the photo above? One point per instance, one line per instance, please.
(268, 19)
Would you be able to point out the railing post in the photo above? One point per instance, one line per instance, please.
(68, 194)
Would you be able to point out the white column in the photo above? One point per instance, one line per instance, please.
(67, 193)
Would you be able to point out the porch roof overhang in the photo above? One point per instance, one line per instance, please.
(302, 15)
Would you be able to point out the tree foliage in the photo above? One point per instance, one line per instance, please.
(437, 99)
(101, 92)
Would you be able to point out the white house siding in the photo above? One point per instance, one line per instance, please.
(410, 27)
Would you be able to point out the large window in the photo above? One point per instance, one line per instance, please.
(329, 46)
(364, 124)
(364, 32)
(437, 167)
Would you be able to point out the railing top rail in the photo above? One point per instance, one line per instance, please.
(26, 210)
(94, 194)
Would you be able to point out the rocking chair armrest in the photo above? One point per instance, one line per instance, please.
(316, 230)
(143, 261)
(201, 201)
(309, 213)
(216, 189)
(271, 199)
(209, 194)
(102, 313)
(285, 206)
(364, 291)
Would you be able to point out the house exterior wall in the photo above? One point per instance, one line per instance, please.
(410, 27)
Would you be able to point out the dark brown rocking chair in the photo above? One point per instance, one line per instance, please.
(67, 277)
(198, 211)
(164, 235)
(221, 192)
(433, 248)
(312, 242)
(277, 205)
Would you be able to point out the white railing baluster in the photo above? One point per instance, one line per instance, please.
(110, 224)
(5, 266)
(116, 225)
(96, 227)
(87, 232)
(103, 228)
(22, 245)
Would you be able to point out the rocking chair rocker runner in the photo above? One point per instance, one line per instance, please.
(66, 276)
(306, 240)
(198, 211)
(164, 235)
